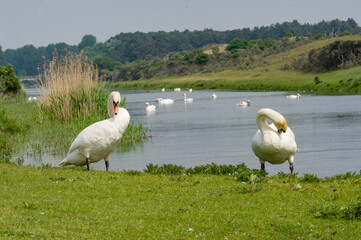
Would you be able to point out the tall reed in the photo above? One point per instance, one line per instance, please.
(70, 88)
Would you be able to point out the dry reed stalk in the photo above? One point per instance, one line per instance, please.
(67, 87)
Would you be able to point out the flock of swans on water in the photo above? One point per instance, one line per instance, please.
(274, 143)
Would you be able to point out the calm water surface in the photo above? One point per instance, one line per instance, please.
(327, 130)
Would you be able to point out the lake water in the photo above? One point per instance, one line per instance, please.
(327, 130)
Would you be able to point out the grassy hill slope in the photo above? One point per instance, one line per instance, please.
(266, 76)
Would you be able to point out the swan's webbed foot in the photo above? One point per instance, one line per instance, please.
(262, 167)
(106, 165)
(291, 168)
(87, 163)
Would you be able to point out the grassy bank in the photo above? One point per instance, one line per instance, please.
(58, 203)
(266, 76)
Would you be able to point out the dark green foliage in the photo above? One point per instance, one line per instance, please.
(9, 82)
(241, 172)
(106, 63)
(27, 59)
(317, 80)
(345, 176)
(338, 54)
(310, 178)
(197, 57)
(237, 43)
(87, 41)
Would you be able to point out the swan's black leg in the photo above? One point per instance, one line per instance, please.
(87, 163)
(291, 168)
(262, 167)
(106, 164)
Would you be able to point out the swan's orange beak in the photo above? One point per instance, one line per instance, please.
(115, 108)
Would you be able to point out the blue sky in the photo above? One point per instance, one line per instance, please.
(41, 22)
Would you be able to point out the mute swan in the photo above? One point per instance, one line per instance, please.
(190, 90)
(30, 99)
(297, 96)
(187, 99)
(214, 96)
(244, 104)
(164, 101)
(177, 89)
(149, 108)
(274, 143)
(98, 140)
(163, 89)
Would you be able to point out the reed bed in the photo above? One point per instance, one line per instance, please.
(71, 88)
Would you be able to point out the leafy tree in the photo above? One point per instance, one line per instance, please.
(237, 43)
(106, 63)
(196, 56)
(9, 82)
(87, 41)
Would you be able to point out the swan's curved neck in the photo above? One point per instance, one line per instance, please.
(270, 114)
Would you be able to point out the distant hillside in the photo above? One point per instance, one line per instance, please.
(130, 47)
(276, 71)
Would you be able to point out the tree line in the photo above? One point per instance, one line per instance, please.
(130, 47)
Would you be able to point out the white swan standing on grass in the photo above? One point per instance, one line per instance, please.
(244, 104)
(297, 96)
(274, 143)
(214, 96)
(149, 108)
(164, 101)
(187, 99)
(98, 140)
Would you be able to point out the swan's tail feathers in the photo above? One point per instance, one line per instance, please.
(63, 163)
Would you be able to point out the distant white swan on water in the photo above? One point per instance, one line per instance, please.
(164, 101)
(149, 108)
(297, 96)
(244, 104)
(187, 99)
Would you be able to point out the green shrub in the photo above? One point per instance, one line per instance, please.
(9, 82)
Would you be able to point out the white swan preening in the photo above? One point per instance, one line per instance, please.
(149, 108)
(297, 96)
(274, 143)
(244, 104)
(187, 99)
(214, 96)
(98, 140)
(164, 101)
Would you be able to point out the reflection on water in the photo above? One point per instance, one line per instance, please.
(327, 130)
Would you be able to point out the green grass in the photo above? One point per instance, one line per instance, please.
(70, 203)
(267, 76)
